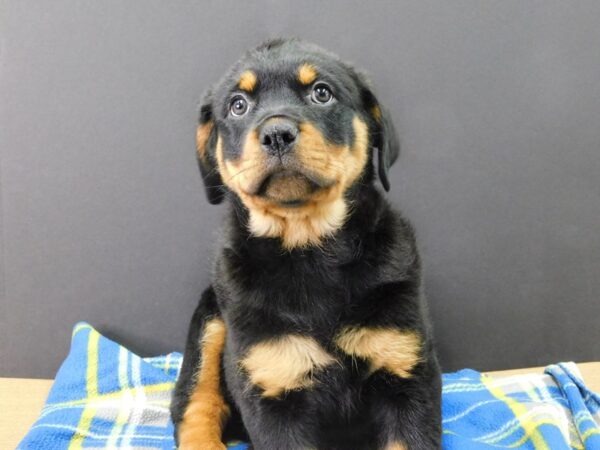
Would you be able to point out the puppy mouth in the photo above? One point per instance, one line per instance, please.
(288, 187)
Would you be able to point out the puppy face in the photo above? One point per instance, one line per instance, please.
(289, 130)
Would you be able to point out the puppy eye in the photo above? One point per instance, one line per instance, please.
(238, 106)
(321, 93)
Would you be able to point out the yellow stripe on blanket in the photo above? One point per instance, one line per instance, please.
(89, 412)
(519, 410)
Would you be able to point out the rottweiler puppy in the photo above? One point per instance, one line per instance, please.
(314, 333)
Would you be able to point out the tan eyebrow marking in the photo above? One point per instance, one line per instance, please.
(247, 81)
(307, 73)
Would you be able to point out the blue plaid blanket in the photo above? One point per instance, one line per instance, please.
(106, 397)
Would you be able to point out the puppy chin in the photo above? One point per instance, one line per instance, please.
(288, 188)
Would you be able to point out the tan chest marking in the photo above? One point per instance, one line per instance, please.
(390, 349)
(207, 411)
(285, 364)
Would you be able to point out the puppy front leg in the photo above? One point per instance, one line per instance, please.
(403, 386)
(276, 427)
(198, 408)
(277, 383)
(407, 411)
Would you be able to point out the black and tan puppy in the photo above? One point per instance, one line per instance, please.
(314, 333)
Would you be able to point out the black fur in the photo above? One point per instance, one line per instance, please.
(367, 274)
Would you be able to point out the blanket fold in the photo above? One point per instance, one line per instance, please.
(106, 397)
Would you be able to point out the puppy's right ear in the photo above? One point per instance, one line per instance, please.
(384, 138)
(206, 142)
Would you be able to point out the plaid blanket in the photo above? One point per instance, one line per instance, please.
(106, 397)
(550, 411)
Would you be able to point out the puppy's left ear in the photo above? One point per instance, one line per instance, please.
(383, 133)
(388, 147)
(206, 142)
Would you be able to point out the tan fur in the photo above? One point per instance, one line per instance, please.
(207, 411)
(300, 228)
(247, 81)
(307, 73)
(341, 163)
(323, 212)
(390, 349)
(396, 446)
(288, 187)
(285, 364)
(376, 112)
(202, 135)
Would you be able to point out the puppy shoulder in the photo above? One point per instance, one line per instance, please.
(393, 245)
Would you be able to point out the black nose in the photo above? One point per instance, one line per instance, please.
(277, 136)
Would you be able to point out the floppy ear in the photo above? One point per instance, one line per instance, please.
(384, 137)
(388, 147)
(206, 141)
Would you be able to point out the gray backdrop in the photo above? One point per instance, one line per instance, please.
(102, 211)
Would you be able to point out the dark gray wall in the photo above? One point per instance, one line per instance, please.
(102, 211)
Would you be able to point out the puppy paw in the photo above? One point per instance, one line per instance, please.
(207, 445)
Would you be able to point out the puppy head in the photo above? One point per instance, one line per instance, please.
(289, 130)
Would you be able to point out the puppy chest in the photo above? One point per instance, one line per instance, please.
(295, 362)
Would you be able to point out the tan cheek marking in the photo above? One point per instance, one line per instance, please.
(376, 112)
(285, 364)
(206, 413)
(307, 73)
(384, 348)
(359, 153)
(202, 134)
(247, 81)
(240, 174)
(340, 163)
(223, 169)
